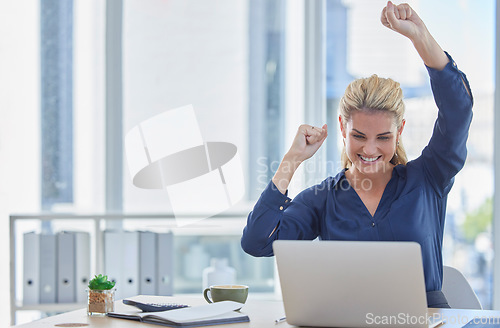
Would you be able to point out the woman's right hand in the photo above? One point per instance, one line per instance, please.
(306, 142)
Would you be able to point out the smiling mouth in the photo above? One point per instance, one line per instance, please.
(369, 159)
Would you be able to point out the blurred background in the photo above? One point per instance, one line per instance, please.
(78, 75)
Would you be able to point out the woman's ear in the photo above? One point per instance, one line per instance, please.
(400, 130)
(342, 126)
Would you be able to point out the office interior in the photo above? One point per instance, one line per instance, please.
(80, 75)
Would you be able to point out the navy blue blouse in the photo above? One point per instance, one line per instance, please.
(412, 207)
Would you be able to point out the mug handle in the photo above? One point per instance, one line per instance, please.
(205, 294)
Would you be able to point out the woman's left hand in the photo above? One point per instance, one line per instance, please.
(404, 20)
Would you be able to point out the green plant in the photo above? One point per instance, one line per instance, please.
(100, 282)
(478, 221)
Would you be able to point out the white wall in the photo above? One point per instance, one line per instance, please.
(185, 52)
(19, 113)
(89, 105)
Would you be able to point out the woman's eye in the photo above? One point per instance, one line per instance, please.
(358, 136)
(383, 138)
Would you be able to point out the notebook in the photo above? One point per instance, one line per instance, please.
(352, 283)
(196, 316)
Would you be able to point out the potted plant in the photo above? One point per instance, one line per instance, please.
(101, 295)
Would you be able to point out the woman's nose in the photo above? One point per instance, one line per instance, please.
(369, 147)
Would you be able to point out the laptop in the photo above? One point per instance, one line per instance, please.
(352, 283)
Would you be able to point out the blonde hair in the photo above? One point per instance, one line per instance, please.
(377, 94)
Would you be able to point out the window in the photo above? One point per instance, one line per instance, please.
(56, 64)
(228, 62)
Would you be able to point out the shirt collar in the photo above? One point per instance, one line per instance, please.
(398, 170)
(340, 176)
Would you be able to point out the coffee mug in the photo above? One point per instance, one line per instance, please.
(237, 293)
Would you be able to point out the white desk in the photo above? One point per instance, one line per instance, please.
(262, 315)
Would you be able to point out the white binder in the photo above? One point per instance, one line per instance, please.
(147, 263)
(130, 264)
(82, 265)
(48, 272)
(31, 268)
(66, 267)
(121, 261)
(165, 256)
(113, 259)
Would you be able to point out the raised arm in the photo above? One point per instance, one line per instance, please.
(305, 144)
(404, 20)
(267, 218)
(446, 152)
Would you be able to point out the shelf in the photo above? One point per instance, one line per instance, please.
(226, 224)
(52, 307)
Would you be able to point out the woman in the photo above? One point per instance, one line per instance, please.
(379, 195)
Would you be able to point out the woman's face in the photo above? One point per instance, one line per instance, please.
(370, 140)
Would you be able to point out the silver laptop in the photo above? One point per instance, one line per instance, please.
(352, 284)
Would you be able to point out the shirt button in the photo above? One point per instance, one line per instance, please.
(286, 201)
(281, 208)
(373, 224)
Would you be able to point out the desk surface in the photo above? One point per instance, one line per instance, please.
(262, 314)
